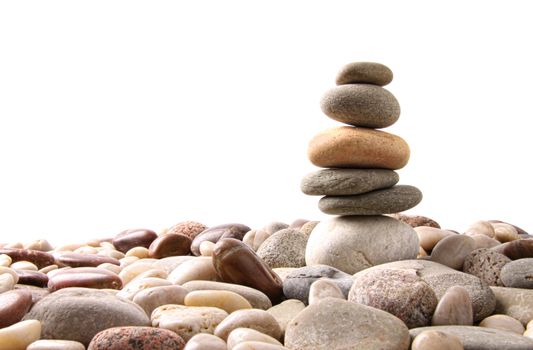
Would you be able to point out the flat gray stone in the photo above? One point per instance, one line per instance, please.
(285, 248)
(364, 72)
(518, 274)
(482, 338)
(385, 201)
(342, 182)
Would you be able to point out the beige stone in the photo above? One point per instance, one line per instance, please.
(40, 244)
(481, 227)
(112, 253)
(206, 248)
(153, 272)
(257, 345)
(110, 267)
(223, 299)
(504, 232)
(7, 282)
(429, 236)
(16, 245)
(259, 320)
(528, 333)
(324, 288)
(140, 252)
(49, 268)
(205, 341)
(454, 308)
(436, 340)
(504, 323)
(86, 250)
(56, 345)
(5, 260)
(282, 272)
(254, 238)
(24, 265)
(129, 272)
(514, 302)
(200, 268)
(135, 286)
(10, 271)
(483, 241)
(151, 298)
(285, 311)
(127, 260)
(20, 335)
(240, 335)
(256, 298)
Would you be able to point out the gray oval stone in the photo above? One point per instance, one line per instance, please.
(364, 72)
(361, 105)
(385, 201)
(518, 274)
(452, 250)
(285, 248)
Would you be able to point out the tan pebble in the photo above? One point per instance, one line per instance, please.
(132, 270)
(7, 282)
(53, 272)
(454, 308)
(429, 236)
(56, 345)
(40, 244)
(20, 335)
(49, 268)
(107, 245)
(69, 247)
(529, 325)
(24, 265)
(127, 260)
(206, 248)
(151, 298)
(16, 245)
(259, 320)
(162, 232)
(308, 227)
(140, 252)
(481, 227)
(504, 323)
(225, 300)
(135, 286)
(112, 253)
(254, 238)
(283, 272)
(205, 341)
(528, 333)
(324, 288)
(436, 340)
(483, 241)
(504, 232)
(86, 250)
(110, 267)
(421, 253)
(10, 271)
(5, 260)
(286, 311)
(256, 345)
(158, 273)
(240, 335)
(199, 268)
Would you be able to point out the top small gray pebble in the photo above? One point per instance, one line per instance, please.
(364, 73)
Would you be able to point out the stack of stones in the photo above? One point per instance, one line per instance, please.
(359, 182)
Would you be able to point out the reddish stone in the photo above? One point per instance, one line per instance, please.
(85, 260)
(13, 306)
(216, 233)
(87, 277)
(40, 259)
(136, 338)
(128, 239)
(32, 278)
(171, 244)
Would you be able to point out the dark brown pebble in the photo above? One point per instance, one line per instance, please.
(87, 277)
(128, 239)
(136, 338)
(85, 260)
(237, 263)
(514, 250)
(13, 306)
(170, 244)
(40, 259)
(32, 278)
(214, 234)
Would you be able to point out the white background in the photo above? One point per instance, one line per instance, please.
(117, 115)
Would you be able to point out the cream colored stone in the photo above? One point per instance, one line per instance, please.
(528, 333)
(206, 248)
(429, 236)
(10, 271)
(86, 250)
(56, 345)
(135, 286)
(436, 340)
(140, 252)
(53, 272)
(127, 260)
(256, 345)
(24, 265)
(421, 253)
(138, 266)
(324, 288)
(7, 282)
(205, 341)
(20, 335)
(5, 260)
(225, 300)
(69, 247)
(40, 244)
(254, 238)
(481, 227)
(504, 323)
(112, 253)
(260, 320)
(504, 232)
(157, 273)
(107, 245)
(283, 272)
(48, 268)
(240, 335)
(110, 267)
(16, 245)
(286, 311)
(199, 268)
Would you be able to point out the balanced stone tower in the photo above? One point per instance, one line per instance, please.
(359, 183)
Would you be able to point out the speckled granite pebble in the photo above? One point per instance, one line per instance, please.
(136, 338)
(365, 73)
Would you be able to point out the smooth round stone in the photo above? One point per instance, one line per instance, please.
(282, 272)
(7, 282)
(342, 182)
(138, 266)
(188, 321)
(436, 340)
(171, 244)
(205, 341)
(481, 338)
(521, 232)
(91, 310)
(9, 271)
(128, 239)
(285, 248)
(237, 263)
(20, 335)
(56, 345)
(364, 73)
(481, 227)
(254, 238)
(131, 289)
(140, 252)
(24, 265)
(85, 260)
(206, 248)
(256, 298)
(486, 264)
(40, 259)
(429, 236)
(349, 147)
(198, 268)
(257, 345)
(338, 324)
(275, 226)
(297, 283)
(452, 251)
(324, 288)
(354, 243)
(188, 228)
(504, 232)
(483, 241)
(40, 244)
(361, 105)
(86, 277)
(514, 302)
(110, 267)
(308, 227)
(518, 274)
(504, 323)
(13, 306)
(416, 220)
(5, 260)
(223, 299)
(240, 335)
(216, 233)
(32, 278)
(285, 311)
(151, 298)
(36, 293)
(384, 201)
(399, 292)
(454, 308)
(260, 320)
(519, 249)
(298, 223)
(136, 338)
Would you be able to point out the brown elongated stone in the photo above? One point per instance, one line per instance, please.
(32, 278)
(128, 239)
(40, 259)
(171, 244)
(519, 249)
(454, 308)
(235, 262)
(85, 260)
(87, 277)
(13, 306)
(214, 234)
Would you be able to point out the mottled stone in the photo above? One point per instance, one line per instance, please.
(324, 288)
(20, 335)
(151, 298)
(486, 264)
(32, 278)
(454, 308)
(349, 147)
(171, 244)
(452, 250)
(416, 220)
(364, 73)
(87, 277)
(384, 201)
(85, 260)
(260, 320)
(429, 236)
(188, 228)
(362, 105)
(136, 338)
(198, 268)
(90, 310)
(235, 262)
(13, 306)
(240, 335)
(205, 341)
(353, 243)
(514, 302)
(40, 259)
(504, 323)
(216, 233)
(338, 324)
(436, 340)
(518, 274)
(222, 299)
(342, 182)
(128, 239)
(56, 345)
(285, 248)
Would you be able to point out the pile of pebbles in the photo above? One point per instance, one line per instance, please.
(362, 280)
